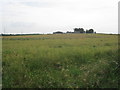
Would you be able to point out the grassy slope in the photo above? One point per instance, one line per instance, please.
(73, 60)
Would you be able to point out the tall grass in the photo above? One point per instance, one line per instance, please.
(68, 61)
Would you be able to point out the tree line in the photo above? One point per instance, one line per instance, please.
(81, 30)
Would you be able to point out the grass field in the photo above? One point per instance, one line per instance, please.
(60, 61)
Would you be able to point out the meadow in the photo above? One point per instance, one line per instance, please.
(60, 61)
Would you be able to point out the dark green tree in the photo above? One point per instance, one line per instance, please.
(79, 30)
(90, 31)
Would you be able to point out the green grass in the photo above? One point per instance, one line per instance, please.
(55, 61)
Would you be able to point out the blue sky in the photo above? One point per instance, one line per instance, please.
(47, 16)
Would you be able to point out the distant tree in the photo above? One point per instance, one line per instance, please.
(87, 31)
(79, 30)
(76, 29)
(90, 31)
(58, 32)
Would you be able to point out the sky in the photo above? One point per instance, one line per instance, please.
(47, 16)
